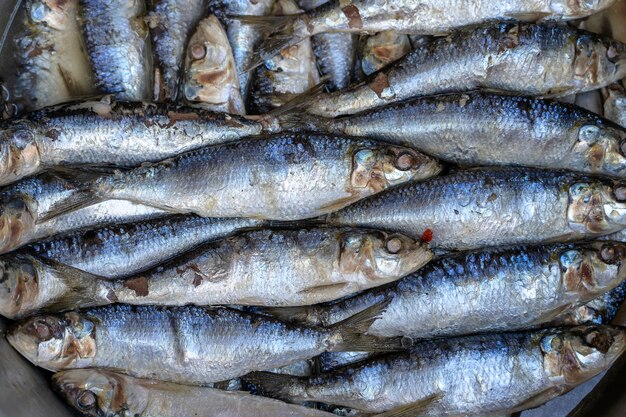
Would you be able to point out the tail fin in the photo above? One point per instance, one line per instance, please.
(308, 315)
(300, 102)
(273, 385)
(352, 329)
(299, 121)
(76, 201)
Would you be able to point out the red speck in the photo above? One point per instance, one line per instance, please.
(427, 236)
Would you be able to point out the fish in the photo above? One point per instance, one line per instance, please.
(429, 17)
(118, 46)
(527, 59)
(476, 208)
(97, 392)
(286, 75)
(51, 65)
(284, 177)
(171, 23)
(211, 81)
(124, 250)
(187, 345)
(335, 53)
(615, 103)
(24, 203)
(244, 39)
(104, 134)
(462, 293)
(259, 267)
(471, 375)
(464, 129)
(382, 49)
(600, 310)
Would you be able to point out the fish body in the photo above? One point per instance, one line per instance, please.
(464, 376)
(171, 24)
(529, 59)
(103, 133)
(189, 345)
(285, 177)
(494, 207)
(465, 129)
(97, 392)
(211, 80)
(118, 46)
(52, 66)
(461, 294)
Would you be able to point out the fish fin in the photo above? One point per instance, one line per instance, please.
(300, 102)
(539, 399)
(549, 316)
(337, 205)
(76, 201)
(528, 17)
(303, 121)
(9, 25)
(271, 384)
(413, 409)
(329, 289)
(304, 314)
(223, 385)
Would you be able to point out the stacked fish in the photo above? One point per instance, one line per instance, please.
(188, 213)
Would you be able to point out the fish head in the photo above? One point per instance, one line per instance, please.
(590, 271)
(601, 147)
(596, 207)
(598, 61)
(377, 168)
(55, 14)
(579, 8)
(381, 256)
(19, 285)
(17, 223)
(101, 393)
(19, 155)
(55, 342)
(574, 355)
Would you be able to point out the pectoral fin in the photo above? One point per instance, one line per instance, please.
(414, 409)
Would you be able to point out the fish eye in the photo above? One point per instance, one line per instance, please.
(86, 400)
(198, 51)
(589, 134)
(42, 330)
(608, 254)
(620, 193)
(393, 245)
(612, 54)
(404, 161)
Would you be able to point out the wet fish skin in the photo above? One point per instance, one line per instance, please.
(103, 133)
(284, 177)
(428, 374)
(210, 80)
(171, 24)
(502, 57)
(189, 345)
(457, 295)
(479, 208)
(24, 203)
(120, 251)
(99, 392)
(118, 46)
(464, 129)
(52, 66)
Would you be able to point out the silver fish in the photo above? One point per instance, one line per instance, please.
(265, 267)
(52, 65)
(286, 75)
(285, 177)
(464, 129)
(493, 207)
(600, 310)
(211, 81)
(532, 59)
(121, 251)
(96, 392)
(118, 46)
(25, 203)
(461, 294)
(426, 17)
(474, 375)
(104, 133)
(383, 49)
(171, 23)
(615, 103)
(189, 345)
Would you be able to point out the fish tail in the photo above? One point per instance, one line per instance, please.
(306, 314)
(300, 121)
(352, 329)
(299, 103)
(81, 199)
(272, 385)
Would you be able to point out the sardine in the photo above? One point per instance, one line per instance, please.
(244, 39)
(429, 17)
(615, 103)
(600, 310)
(465, 129)
(124, 250)
(171, 23)
(104, 133)
(475, 375)
(382, 49)
(118, 46)
(286, 75)
(51, 63)
(285, 177)
(494, 207)
(461, 294)
(532, 59)
(25, 203)
(265, 268)
(211, 80)
(189, 345)
(96, 392)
